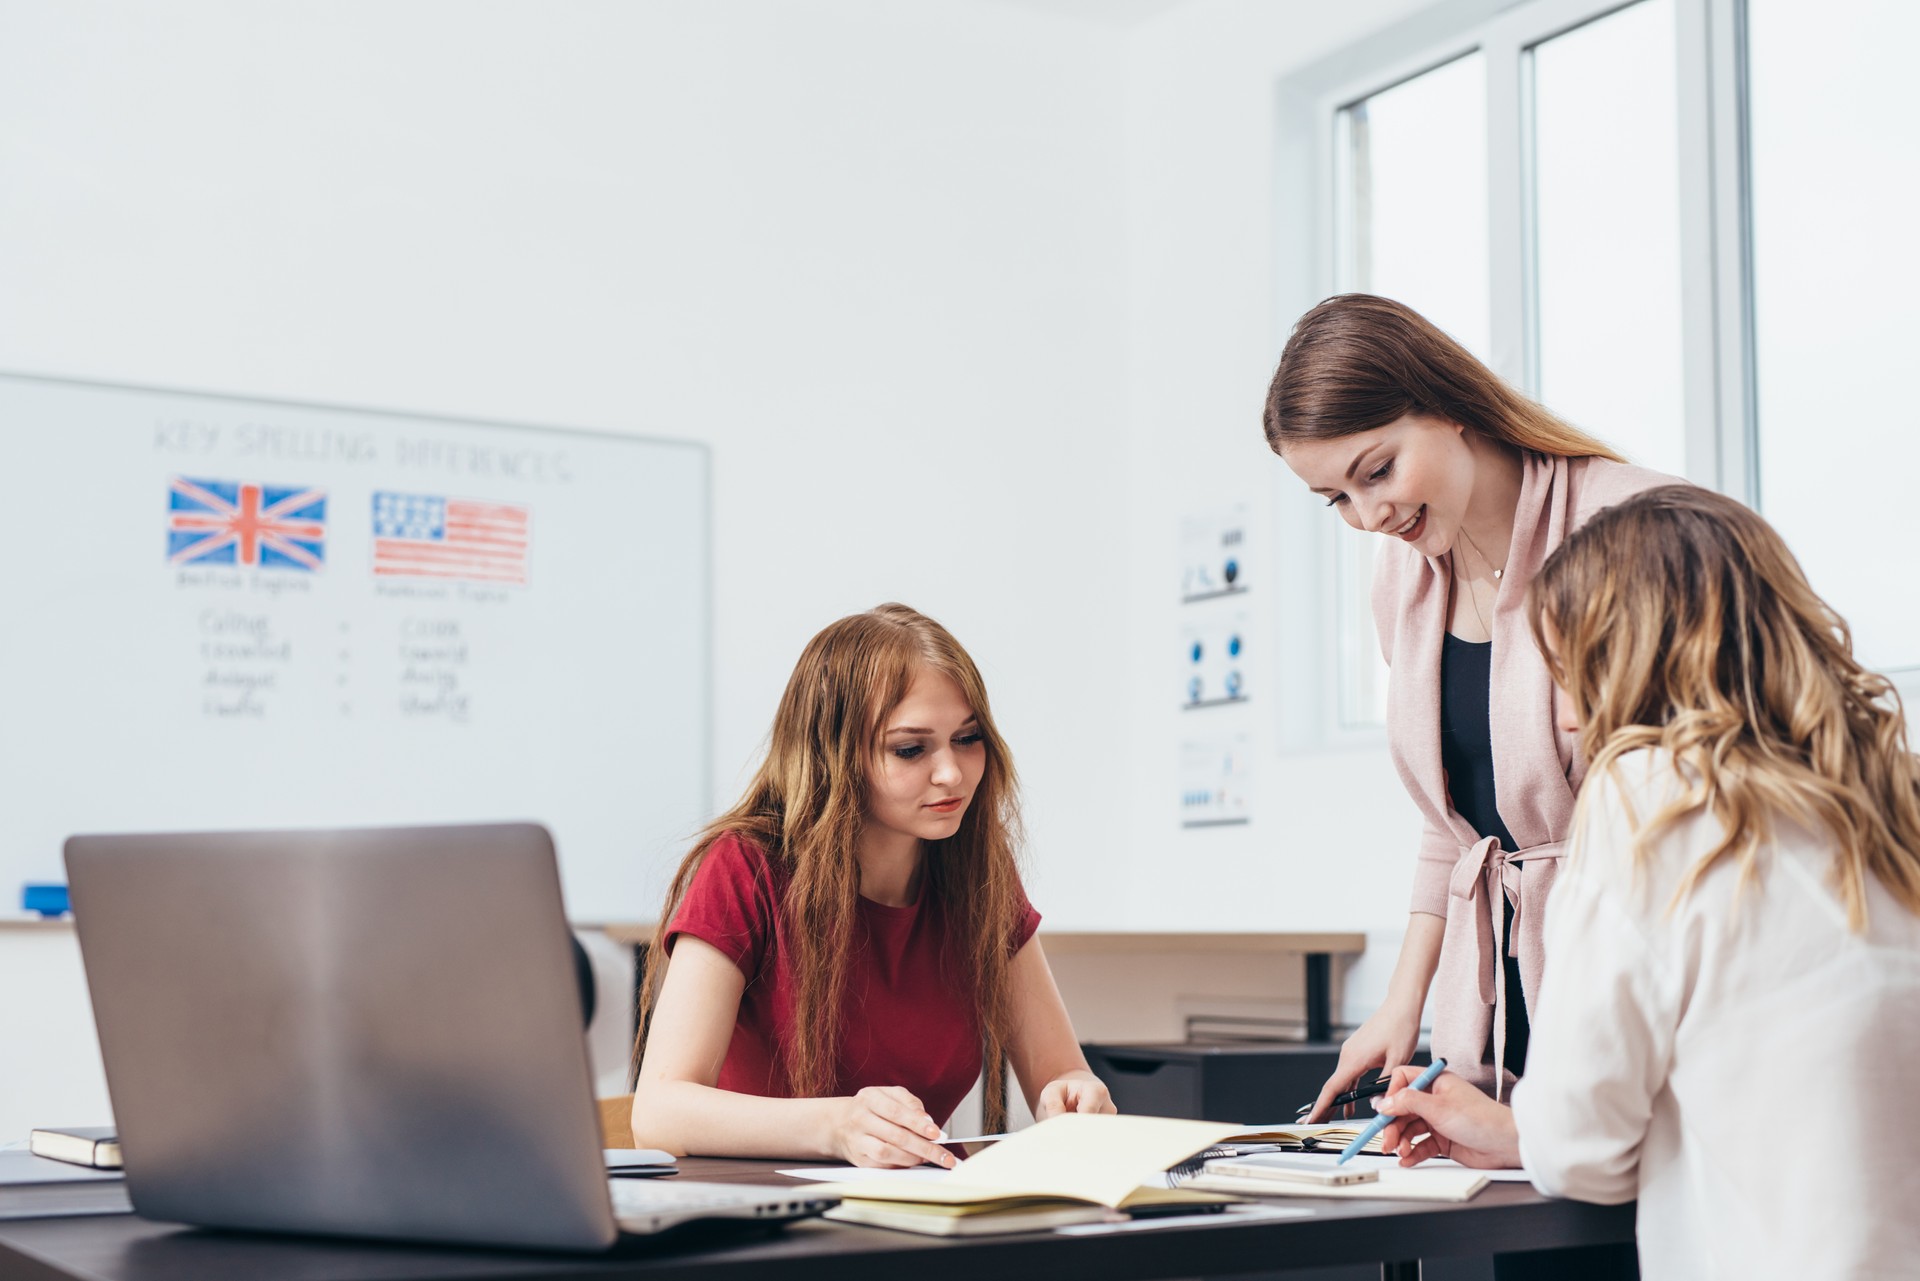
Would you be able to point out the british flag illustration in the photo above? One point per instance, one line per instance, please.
(234, 522)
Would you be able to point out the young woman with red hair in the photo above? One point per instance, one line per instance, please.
(849, 948)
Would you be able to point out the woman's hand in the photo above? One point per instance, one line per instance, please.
(1450, 1118)
(1073, 1092)
(1384, 1041)
(886, 1127)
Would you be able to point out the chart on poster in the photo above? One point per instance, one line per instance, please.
(229, 613)
(1216, 641)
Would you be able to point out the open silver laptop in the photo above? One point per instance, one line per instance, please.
(362, 1033)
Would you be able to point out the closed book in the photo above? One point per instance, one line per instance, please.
(95, 1145)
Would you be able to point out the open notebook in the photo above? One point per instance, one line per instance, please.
(1324, 1136)
(1066, 1169)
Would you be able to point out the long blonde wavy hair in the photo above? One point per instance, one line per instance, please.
(805, 809)
(1679, 620)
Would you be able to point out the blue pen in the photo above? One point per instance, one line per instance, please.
(1382, 1121)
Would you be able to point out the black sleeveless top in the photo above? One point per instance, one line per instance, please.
(1466, 752)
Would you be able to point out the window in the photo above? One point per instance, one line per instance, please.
(1417, 197)
(1691, 237)
(1415, 219)
(1606, 197)
(1835, 267)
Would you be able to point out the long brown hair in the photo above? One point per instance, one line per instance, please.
(1359, 361)
(805, 808)
(1680, 621)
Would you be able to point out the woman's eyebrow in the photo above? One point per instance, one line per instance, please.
(1352, 467)
(920, 729)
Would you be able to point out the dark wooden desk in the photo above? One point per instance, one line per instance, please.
(1506, 1216)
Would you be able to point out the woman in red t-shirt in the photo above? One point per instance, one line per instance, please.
(849, 946)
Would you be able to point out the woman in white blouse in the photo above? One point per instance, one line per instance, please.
(1731, 1004)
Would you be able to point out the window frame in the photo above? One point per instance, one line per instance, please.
(1716, 286)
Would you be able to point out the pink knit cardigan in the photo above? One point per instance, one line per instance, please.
(1536, 767)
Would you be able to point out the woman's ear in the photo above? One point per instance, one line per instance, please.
(1563, 713)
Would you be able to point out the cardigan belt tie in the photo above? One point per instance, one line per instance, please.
(1483, 867)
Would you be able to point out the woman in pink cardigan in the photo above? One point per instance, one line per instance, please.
(1409, 436)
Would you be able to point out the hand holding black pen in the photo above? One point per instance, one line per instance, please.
(1372, 1089)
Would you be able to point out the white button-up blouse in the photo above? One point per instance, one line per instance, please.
(1740, 1062)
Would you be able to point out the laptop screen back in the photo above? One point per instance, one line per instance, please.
(368, 1033)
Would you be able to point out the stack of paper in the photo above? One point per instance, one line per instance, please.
(1433, 1180)
(1392, 1184)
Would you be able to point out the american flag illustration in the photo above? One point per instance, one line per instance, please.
(235, 522)
(425, 536)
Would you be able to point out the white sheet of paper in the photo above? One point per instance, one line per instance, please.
(863, 1174)
(1495, 1176)
(1436, 1163)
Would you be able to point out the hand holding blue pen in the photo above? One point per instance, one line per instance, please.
(1382, 1121)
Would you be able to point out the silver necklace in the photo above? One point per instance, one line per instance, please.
(1484, 560)
(1473, 597)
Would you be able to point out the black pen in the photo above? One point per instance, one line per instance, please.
(1368, 1091)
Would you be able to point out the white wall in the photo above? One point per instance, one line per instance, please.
(972, 301)
(49, 1066)
(1332, 841)
(869, 252)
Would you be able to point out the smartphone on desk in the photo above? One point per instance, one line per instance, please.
(1290, 1169)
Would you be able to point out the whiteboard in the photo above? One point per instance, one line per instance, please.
(229, 613)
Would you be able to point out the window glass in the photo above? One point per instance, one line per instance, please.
(1606, 167)
(1418, 203)
(1416, 231)
(1836, 268)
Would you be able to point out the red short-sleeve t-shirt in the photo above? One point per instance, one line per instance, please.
(905, 1021)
